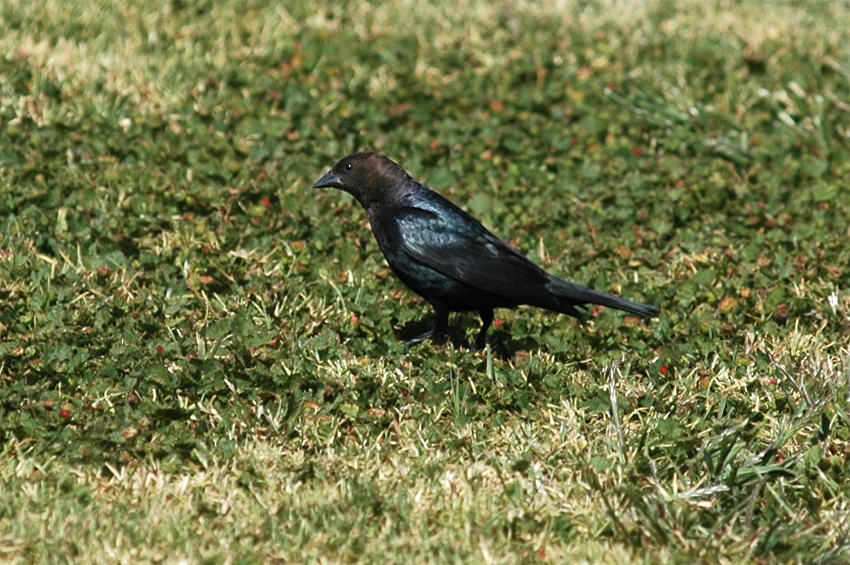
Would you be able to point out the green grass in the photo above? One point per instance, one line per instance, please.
(201, 358)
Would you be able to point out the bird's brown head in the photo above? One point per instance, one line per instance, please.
(370, 177)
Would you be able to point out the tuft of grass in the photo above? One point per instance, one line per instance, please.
(200, 358)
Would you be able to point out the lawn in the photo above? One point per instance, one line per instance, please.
(202, 359)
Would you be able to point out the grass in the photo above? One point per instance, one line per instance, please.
(201, 359)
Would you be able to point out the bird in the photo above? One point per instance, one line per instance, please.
(448, 257)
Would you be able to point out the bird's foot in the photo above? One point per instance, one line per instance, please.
(480, 343)
(430, 334)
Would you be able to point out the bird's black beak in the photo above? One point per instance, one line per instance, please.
(330, 180)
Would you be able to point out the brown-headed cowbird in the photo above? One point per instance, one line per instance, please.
(447, 257)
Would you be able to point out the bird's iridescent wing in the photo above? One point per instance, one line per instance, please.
(456, 245)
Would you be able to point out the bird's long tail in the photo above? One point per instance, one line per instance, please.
(571, 294)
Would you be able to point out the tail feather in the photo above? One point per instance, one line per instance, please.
(576, 295)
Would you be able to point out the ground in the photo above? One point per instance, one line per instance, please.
(202, 359)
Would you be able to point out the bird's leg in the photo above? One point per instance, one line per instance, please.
(441, 324)
(486, 320)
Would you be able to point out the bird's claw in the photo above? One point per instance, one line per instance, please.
(430, 334)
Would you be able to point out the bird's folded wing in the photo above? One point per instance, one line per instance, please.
(458, 246)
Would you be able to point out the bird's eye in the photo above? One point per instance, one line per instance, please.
(347, 167)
